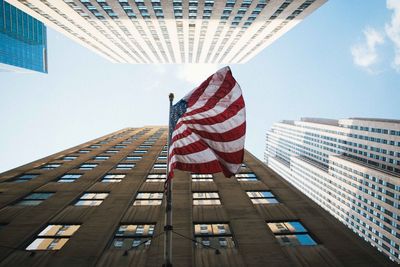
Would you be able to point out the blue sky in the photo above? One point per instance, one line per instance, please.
(338, 63)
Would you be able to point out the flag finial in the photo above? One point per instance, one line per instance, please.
(171, 97)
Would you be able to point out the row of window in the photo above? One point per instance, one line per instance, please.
(153, 177)
(141, 149)
(373, 130)
(138, 236)
(148, 198)
(102, 158)
(89, 166)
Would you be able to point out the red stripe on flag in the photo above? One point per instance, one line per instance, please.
(226, 87)
(198, 146)
(194, 97)
(231, 157)
(203, 168)
(228, 113)
(189, 149)
(227, 136)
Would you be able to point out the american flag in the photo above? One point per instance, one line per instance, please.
(208, 128)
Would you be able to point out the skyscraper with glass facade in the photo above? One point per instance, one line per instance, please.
(23, 41)
(102, 203)
(176, 31)
(350, 167)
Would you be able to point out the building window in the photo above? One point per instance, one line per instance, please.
(202, 177)
(139, 152)
(133, 158)
(94, 146)
(88, 166)
(119, 146)
(136, 236)
(101, 158)
(113, 178)
(160, 166)
(206, 198)
(69, 178)
(53, 237)
(125, 166)
(34, 199)
(25, 177)
(156, 178)
(252, 177)
(50, 166)
(69, 158)
(148, 198)
(162, 158)
(291, 234)
(83, 151)
(91, 199)
(262, 197)
(216, 235)
(111, 151)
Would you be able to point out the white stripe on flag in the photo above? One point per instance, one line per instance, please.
(221, 127)
(220, 107)
(202, 157)
(224, 147)
(212, 87)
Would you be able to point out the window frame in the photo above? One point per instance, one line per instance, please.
(112, 179)
(61, 237)
(70, 180)
(97, 200)
(207, 200)
(157, 201)
(29, 198)
(20, 179)
(246, 179)
(197, 177)
(287, 234)
(156, 179)
(120, 168)
(136, 237)
(214, 236)
(262, 197)
(87, 168)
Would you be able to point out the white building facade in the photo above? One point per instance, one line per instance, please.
(350, 167)
(176, 31)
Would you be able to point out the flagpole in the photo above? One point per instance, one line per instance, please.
(168, 208)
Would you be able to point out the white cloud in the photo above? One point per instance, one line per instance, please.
(393, 30)
(365, 54)
(196, 73)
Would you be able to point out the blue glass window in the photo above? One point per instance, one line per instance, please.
(291, 234)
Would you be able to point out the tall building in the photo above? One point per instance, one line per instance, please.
(23, 41)
(178, 31)
(102, 204)
(350, 167)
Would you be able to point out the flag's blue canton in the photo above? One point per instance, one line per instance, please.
(177, 111)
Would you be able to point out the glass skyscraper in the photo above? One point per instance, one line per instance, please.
(23, 41)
